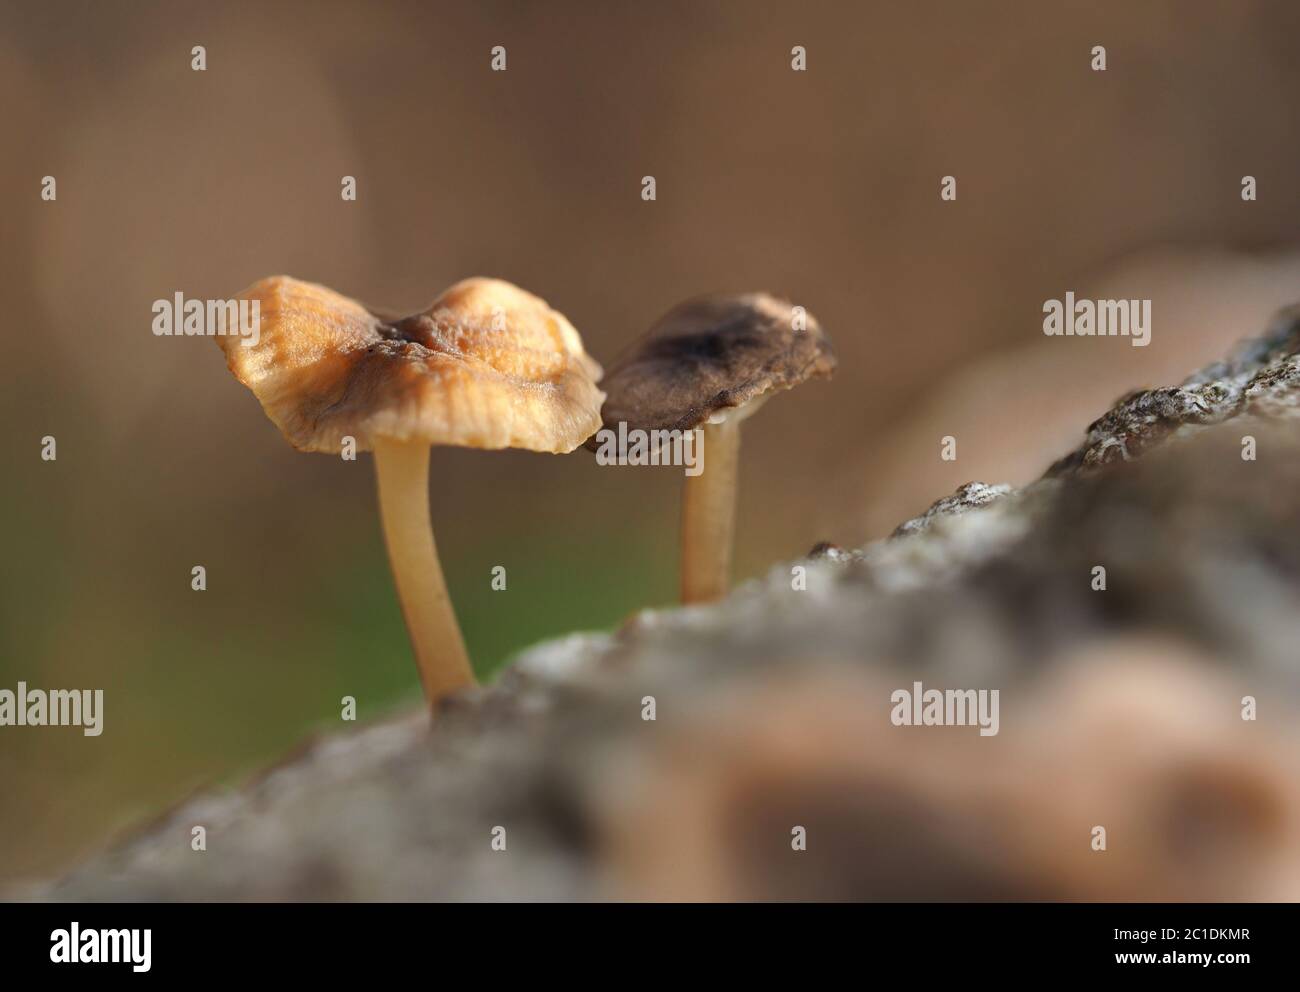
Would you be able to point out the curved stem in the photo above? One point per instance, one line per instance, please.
(709, 516)
(403, 472)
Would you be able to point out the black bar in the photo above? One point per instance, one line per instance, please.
(614, 942)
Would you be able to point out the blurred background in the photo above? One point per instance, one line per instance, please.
(820, 185)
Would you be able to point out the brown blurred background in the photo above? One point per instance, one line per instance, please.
(821, 185)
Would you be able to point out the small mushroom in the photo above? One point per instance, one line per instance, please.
(710, 363)
(488, 365)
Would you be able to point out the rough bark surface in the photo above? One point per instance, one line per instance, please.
(1119, 708)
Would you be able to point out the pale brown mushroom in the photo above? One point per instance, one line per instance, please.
(711, 363)
(487, 365)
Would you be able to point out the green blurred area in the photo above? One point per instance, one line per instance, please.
(202, 687)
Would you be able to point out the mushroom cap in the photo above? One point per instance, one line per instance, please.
(711, 356)
(487, 365)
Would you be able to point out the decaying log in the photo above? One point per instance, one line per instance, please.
(1120, 708)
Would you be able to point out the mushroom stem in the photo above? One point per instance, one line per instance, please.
(403, 472)
(709, 515)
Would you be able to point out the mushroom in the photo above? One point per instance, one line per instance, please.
(487, 365)
(710, 363)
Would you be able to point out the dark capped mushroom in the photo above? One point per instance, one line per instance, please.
(710, 363)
